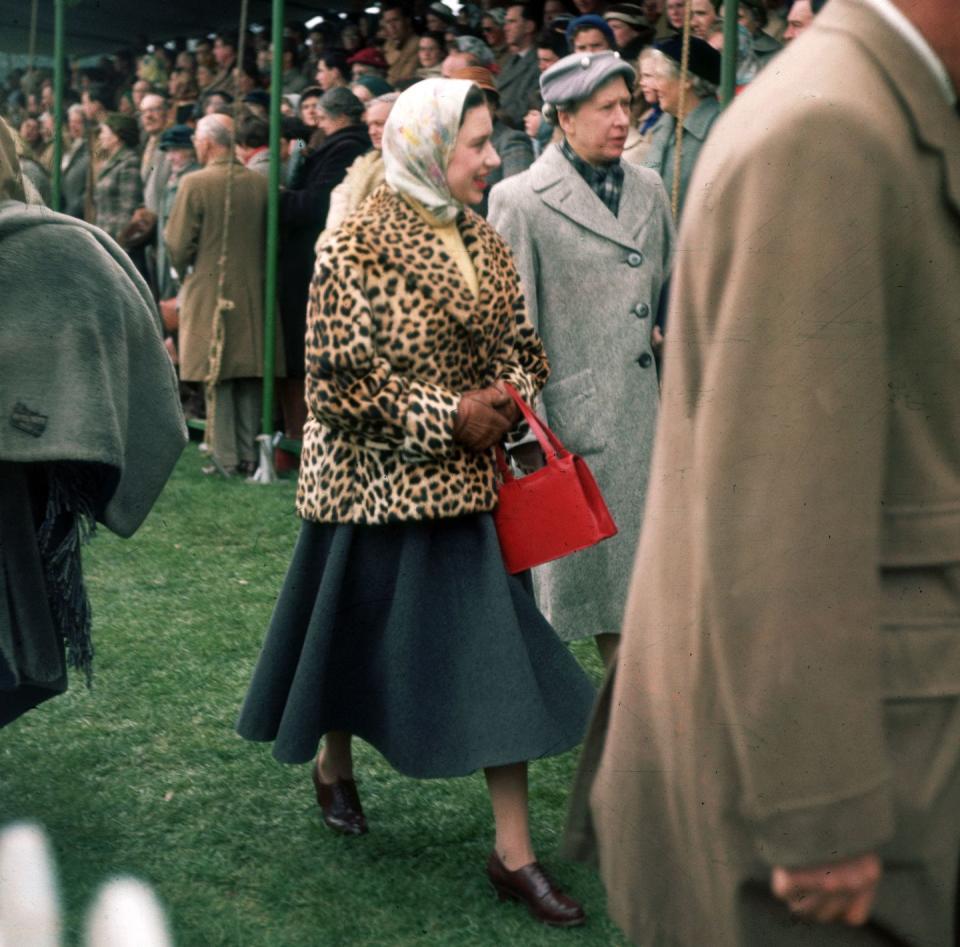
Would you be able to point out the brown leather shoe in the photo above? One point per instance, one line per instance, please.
(532, 886)
(340, 804)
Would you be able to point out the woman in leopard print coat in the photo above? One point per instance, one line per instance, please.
(398, 622)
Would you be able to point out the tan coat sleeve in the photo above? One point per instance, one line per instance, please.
(783, 264)
(182, 233)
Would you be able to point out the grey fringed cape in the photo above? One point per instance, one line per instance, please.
(90, 428)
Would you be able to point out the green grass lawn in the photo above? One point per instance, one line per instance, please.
(144, 775)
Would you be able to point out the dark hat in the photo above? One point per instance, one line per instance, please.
(704, 60)
(577, 76)
(375, 84)
(258, 97)
(369, 57)
(628, 13)
(177, 136)
(124, 127)
(443, 11)
(590, 22)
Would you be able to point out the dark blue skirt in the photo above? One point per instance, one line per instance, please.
(413, 637)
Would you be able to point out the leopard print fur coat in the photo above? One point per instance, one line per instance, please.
(394, 336)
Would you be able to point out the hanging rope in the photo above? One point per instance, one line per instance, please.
(681, 109)
(224, 305)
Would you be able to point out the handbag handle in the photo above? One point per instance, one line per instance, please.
(549, 443)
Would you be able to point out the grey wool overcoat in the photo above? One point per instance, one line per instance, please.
(592, 284)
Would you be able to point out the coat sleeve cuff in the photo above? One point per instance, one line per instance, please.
(829, 832)
(428, 421)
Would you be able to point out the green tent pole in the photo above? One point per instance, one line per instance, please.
(273, 220)
(728, 69)
(58, 31)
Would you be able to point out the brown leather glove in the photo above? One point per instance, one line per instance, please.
(480, 423)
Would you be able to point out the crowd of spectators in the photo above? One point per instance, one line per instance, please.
(131, 118)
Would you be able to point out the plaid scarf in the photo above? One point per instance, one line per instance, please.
(606, 182)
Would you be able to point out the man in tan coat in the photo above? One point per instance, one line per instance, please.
(194, 236)
(783, 725)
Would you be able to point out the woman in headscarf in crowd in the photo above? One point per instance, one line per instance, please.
(366, 174)
(398, 622)
(93, 429)
(118, 190)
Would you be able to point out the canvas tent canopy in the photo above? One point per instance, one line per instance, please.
(95, 27)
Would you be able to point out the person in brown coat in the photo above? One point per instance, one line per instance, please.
(193, 235)
(783, 724)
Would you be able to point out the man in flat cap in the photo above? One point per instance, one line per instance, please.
(781, 766)
(700, 109)
(592, 237)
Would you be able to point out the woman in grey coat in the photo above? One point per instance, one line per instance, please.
(592, 238)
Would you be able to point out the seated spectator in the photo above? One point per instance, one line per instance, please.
(431, 51)
(800, 18)
(491, 27)
(551, 47)
(703, 16)
(206, 76)
(309, 101)
(631, 30)
(293, 79)
(590, 34)
(118, 190)
(647, 111)
(217, 102)
(520, 76)
(439, 18)
(675, 14)
(753, 17)
(332, 70)
(258, 102)
(32, 136)
(368, 88)
(253, 142)
(482, 54)
(183, 94)
(367, 62)
(700, 106)
(400, 48)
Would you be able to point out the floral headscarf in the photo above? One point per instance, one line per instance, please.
(418, 141)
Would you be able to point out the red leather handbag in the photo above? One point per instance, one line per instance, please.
(552, 512)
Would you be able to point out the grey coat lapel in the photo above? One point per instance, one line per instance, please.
(562, 188)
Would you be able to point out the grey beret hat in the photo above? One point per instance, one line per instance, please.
(577, 76)
(477, 48)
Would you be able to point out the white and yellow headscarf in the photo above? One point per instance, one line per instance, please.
(418, 141)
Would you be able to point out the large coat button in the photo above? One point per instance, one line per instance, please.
(645, 360)
(635, 259)
(641, 310)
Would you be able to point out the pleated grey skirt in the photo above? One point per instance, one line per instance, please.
(413, 637)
